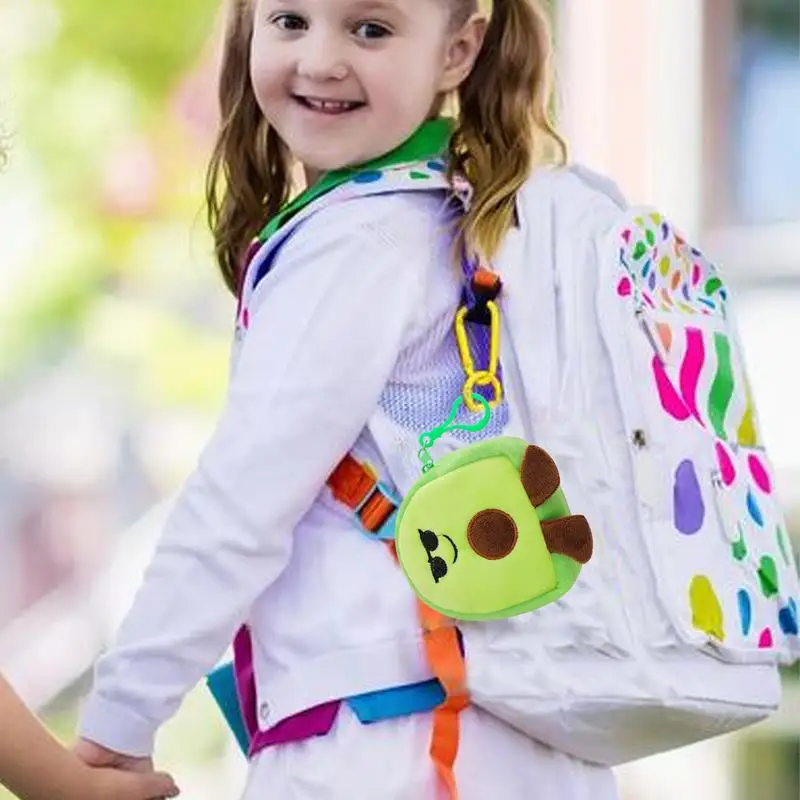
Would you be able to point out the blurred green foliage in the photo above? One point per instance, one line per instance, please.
(146, 44)
(132, 288)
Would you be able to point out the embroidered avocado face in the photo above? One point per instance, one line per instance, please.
(487, 532)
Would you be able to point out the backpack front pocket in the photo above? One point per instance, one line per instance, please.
(713, 529)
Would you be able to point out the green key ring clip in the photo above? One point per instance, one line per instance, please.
(427, 440)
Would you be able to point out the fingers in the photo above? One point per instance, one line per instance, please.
(138, 786)
(93, 755)
(117, 784)
(157, 785)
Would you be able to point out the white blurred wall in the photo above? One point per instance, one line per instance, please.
(631, 97)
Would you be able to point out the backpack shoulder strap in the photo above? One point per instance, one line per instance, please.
(543, 262)
(421, 176)
(355, 485)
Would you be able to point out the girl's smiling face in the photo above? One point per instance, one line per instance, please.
(345, 81)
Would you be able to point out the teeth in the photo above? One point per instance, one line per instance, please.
(330, 105)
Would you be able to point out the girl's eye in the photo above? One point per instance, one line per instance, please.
(372, 30)
(289, 22)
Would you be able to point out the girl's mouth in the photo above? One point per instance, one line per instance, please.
(331, 107)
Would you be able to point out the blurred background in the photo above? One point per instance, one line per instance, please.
(114, 330)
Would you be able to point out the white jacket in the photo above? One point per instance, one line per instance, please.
(357, 310)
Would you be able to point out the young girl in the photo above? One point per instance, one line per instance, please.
(35, 767)
(345, 322)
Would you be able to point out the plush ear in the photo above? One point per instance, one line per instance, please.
(570, 536)
(539, 474)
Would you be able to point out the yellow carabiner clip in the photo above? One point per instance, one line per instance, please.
(484, 377)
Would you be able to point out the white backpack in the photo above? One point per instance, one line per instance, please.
(621, 359)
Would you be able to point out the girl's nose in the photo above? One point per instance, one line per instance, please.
(322, 60)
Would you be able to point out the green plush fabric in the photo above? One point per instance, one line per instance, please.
(452, 577)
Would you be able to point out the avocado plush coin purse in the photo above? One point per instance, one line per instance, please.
(486, 532)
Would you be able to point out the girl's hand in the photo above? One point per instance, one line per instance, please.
(115, 776)
(116, 784)
(95, 755)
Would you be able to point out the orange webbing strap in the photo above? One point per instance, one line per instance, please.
(446, 661)
(353, 484)
(447, 664)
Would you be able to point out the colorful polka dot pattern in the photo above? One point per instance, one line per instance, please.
(664, 272)
(421, 171)
(788, 618)
(689, 508)
(706, 609)
(758, 543)
(700, 386)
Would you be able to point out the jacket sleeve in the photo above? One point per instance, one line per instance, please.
(326, 328)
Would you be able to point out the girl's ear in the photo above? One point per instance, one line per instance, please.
(462, 52)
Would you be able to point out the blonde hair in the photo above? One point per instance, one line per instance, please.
(504, 124)
(249, 175)
(503, 128)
